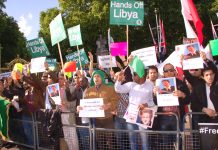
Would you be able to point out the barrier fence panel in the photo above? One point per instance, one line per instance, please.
(191, 135)
(90, 138)
(22, 132)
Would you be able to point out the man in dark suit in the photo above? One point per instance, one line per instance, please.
(192, 52)
(167, 88)
(204, 95)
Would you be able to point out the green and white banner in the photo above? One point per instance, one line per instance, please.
(127, 12)
(57, 30)
(37, 48)
(74, 57)
(52, 62)
(74, 34)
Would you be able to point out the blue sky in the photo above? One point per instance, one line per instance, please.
(27, 12)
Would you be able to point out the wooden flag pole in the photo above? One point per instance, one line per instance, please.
(109, 48)
(60, 54)
(62, 63)
(127, 41)
(80, 63)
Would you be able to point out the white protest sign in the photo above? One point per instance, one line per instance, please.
(91, 108)
(5, 74)
(104, 61)
(131, 113)
(37, 64)
(147, 55)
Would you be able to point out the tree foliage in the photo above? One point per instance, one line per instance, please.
(93, 16)
(11, 39)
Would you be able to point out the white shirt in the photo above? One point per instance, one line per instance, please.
(138, 93)
(209, 102)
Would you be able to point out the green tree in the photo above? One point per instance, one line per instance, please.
(93, 16)
(11, 39)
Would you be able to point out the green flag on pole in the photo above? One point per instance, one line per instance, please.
(138, 66)
(214, 47)
(4, 109)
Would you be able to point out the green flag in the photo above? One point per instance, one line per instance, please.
(138, 66)
(4, 118)
(214, 47)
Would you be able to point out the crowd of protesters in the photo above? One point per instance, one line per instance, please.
(28, 94)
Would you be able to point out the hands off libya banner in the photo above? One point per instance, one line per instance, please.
(127, 12)
(4, 118)
(74, 57)
(37, 48)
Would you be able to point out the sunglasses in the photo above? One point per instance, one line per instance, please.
(168, 70)
(194, 69)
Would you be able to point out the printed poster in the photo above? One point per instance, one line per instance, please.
(147, 55)
(91, 108)
(166, 88)
(54, 93)
(191, 53)
(145, 117)
(131, 113)
(104, 61)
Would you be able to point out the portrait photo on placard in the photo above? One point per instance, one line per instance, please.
(53, 90)
(166, 86)
(192, 51)
(145, 117)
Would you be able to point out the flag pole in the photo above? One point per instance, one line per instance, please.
(158, 35)
(127, 41)
(60, 54)
(109, 47)
(80, 63)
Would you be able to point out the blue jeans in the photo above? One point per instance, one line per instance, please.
(144, 138)
(83, 137)
(28, 128)
(133, 137)
(121, 140)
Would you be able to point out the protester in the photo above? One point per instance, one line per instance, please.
(67, 116)
(204, 94)
(99, 89)
(152, 74)
(140, 93)
(119, 121)
(168, 122)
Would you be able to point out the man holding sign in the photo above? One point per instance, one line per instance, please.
(168, 123)
(99, 89)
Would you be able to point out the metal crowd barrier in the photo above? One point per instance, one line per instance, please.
(91, 138)
(191, 135)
